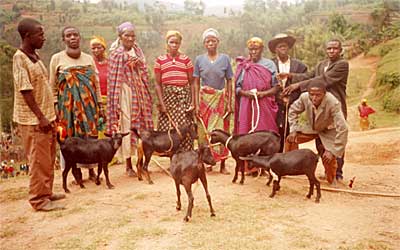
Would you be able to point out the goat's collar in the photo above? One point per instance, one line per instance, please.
(228, 140)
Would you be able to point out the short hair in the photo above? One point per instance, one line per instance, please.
(335, 40)
(27, 25)
(316, 84)
(68, 27)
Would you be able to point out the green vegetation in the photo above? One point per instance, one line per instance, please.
(361, 24)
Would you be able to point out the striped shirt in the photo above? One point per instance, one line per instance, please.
(34, 77)
(174, 71)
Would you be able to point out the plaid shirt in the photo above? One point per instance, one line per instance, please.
(34, 77)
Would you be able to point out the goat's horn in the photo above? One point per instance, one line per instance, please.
(245, 158)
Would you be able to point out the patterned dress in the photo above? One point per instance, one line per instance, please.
(176, 93)
(214, 97)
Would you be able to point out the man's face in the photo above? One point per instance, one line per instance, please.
(255, 52)
(37, 37)
(333, 50)
(282, 49)
(72, 38)
(316, 96)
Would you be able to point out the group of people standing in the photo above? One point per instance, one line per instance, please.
(90, 90)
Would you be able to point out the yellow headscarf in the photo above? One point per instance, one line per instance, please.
(173, 33)
(100, 40)
(255, 40)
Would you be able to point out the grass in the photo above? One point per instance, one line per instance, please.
(7, 231)
(367, 244)
(357, 84)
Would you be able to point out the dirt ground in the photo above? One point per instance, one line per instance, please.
(136, 215)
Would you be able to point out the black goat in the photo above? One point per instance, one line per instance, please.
(260, 142)
(186, 168)
(297, 162)
(88, 151)
(163, 143)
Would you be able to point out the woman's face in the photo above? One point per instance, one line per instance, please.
(72, 38)
(255, 52)
(211, 43)
(128, 39)
(173, 44)
(97, 50)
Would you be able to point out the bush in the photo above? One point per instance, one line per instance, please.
(391, 100)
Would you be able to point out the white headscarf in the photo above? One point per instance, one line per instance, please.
(210, 32)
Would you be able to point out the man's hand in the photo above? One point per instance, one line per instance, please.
(292, 137)
(44, 124)
(288, 90)
(328, 157)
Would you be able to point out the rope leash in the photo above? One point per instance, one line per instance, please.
(254, 125)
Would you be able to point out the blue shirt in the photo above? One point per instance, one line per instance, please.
(213, 74)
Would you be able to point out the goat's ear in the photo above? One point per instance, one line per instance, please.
(124, 134)
(108, 135)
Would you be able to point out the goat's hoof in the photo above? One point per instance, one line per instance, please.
(316, 200)
(151, 182)
(308, 196)
(82, 186)
(178, 208)
(186, 218)
(140, 178)
(212, 215)
(241, 182)
(67, 191)
(98, 183)
(271, 196)
(110, 186)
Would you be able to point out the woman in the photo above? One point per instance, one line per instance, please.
(364, 111)
(255, 107)
(98, 47)
(76, 89)
(213, 71)
(175, 88)
(128, 97)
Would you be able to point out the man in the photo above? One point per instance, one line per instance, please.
(333, 72)
(35, 116)
(325, 121)
(280, 46)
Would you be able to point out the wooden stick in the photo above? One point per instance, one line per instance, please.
(163, 169)
(359, 192)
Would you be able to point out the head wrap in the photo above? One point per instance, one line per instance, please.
(124, 27)
(364, 100)
(100, 40)
(173, 33)
(255, 40)
(210, 32)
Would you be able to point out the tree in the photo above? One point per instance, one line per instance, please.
(194, 7)
(337, 24)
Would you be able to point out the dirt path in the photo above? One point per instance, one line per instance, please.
(357, 63)
(136, 215)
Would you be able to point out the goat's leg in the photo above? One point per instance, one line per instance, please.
(236, 172)
(108, 183)
(242, 164)
(311, 188)
(318, 186)
(146, 167)
(275, 186)
(269, 177)
(77, 173)
(178, 196)
(139, 167)
(99, 168)
(188, 188)
(64, 177)
(203, 180)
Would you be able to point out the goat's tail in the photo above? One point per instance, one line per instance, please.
(136, 132)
